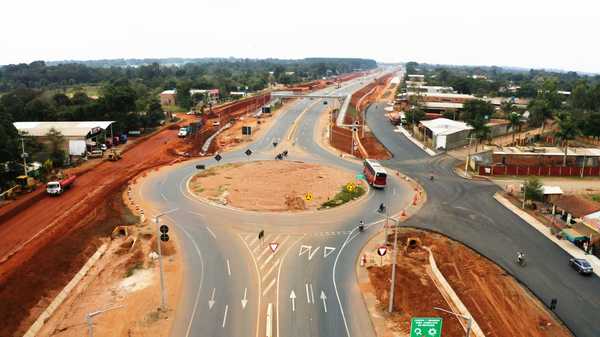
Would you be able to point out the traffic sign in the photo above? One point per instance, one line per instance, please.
(164, 237)
(381, 251)
(164, 229)
(350, 187)
(200, 167)
(246, 130)
(218, 157)
(360, 176)
(248, 152)
(425, 327)
(275, 143)
(273, 246)
(308, 196)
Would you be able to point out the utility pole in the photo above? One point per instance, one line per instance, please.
(524, 193)
(394, 258)
(89, 318)
(163, 300)
(467, 318)
(468, 155)
(24, 155)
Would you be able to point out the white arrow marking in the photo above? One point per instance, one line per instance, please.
(327, 251)
(304, 249)
(293, 298)
(211, 302)
(310, 256)
(211, 232)
(307, 293)
(324, 298)
(228, 268)
(244, 300)
(312, 293)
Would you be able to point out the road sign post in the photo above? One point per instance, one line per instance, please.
(425, 327)
(162, 232)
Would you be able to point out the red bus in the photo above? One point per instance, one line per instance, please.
(374, 173)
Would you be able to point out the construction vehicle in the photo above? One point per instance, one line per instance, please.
(58, 187)
(114, 155)
(25, 184)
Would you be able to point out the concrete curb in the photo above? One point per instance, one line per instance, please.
(535, 223)
(415, 141)
(62, 296)
(450, 295)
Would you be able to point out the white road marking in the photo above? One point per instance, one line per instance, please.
(271, 284)
(269, 324)
(324, 298)
(312, 294)
(259, 286)
(245, 299)
(253, 240)
(310, 256)
(211, 232)
(228, 268)
(327, 251)
(307, 293)
(225, 315)
(293, 298)
(271, 269)
(304, 249)
(211, 302)
(272, 255)
(189, 327)
(287, 251)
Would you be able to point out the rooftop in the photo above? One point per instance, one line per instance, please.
(578, 206)
(67, 129)
(169, 92)
(444, 126)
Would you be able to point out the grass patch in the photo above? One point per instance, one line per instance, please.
(343, 196)
(352, 111)
(595, 197)
(174, 108)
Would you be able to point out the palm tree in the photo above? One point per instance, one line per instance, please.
(515, 122)
(480, 130)
(567, 130)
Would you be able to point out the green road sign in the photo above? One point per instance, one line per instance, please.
(425, 327)
(360, 176)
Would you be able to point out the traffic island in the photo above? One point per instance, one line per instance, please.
(277, 186)
(498, 304)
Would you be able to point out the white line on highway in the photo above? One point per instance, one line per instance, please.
(225, 315)
(253, 240)
(259, 284)
(271, 270)
(312, 294)
(307, 293)
(310, 256)
(211, 232)
(273, 254)
(271, 284)
(228, 268)
(245, 299)
(278, 277)
(211, 302)
(189, 327)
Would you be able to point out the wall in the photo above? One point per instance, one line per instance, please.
(542, 171)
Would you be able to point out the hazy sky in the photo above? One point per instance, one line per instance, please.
(545, 33)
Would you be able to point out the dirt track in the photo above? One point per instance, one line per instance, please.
(44, 245)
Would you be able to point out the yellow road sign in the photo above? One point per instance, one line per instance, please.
(350, 187)
(308, 196)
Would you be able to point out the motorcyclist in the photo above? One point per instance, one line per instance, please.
(520, 257)
(361, 226)
(381, 208)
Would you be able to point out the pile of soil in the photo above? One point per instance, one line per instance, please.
(271, 185)
(494, 298)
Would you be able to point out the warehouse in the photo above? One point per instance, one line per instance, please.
(78, 135)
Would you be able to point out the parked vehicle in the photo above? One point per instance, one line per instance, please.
(25, 184)
(103, 147)
(58, 187)
(581, 265)
(114, 155)
(123, 138)
(183, 132)
(108, 143)
(116, 140)
(375, 174)
(95, 154)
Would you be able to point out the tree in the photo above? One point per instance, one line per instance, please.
(480, 130)
(567, 130)
(533, 189)
(476, 108)
(538, 112)
(183, 94)
(515, 122)
(55, 144)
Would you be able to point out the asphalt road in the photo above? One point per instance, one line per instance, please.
(466, 211)
(232, 278)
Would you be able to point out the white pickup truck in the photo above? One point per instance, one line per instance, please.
(183, 132)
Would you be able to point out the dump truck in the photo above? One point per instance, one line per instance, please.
(59, 186)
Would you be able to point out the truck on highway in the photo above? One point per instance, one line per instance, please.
(59, 186)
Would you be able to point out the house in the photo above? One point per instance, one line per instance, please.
(434, 101)
(77, 135)
(445, 134)
(167, 97)
(211, 94)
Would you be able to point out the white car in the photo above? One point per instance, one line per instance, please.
(183, 132)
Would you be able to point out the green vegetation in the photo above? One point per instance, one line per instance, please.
(343, 196)
(131, 270)
(533, 189)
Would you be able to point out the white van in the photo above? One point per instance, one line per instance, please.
(183, 132)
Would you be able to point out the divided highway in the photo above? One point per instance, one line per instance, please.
(235, 285)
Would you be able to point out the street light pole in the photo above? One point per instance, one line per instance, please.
(163, 300)
(89, 318)
(24, 155)
(393, 285)
(467, 318)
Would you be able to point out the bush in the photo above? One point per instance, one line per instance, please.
(344, 196)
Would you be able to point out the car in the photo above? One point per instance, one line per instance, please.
(216, 123)
(581, 265)
(183, 132)
(189, 113)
